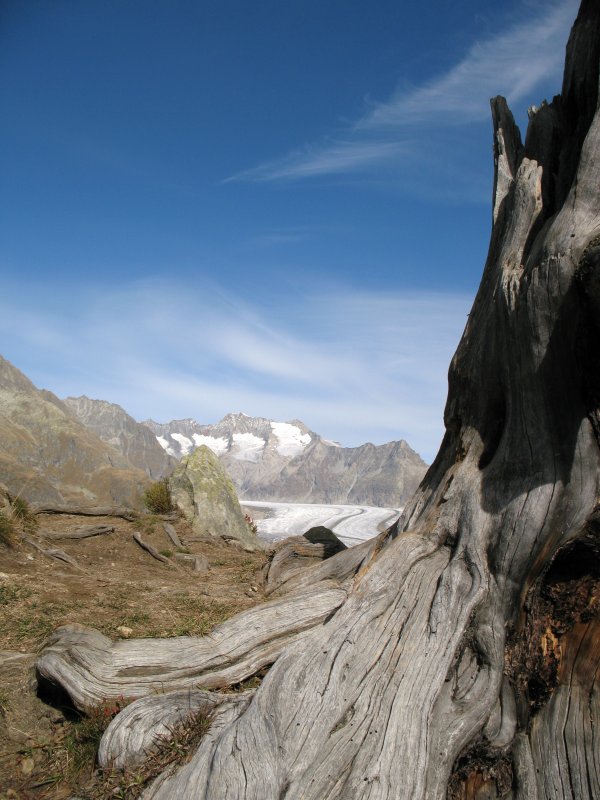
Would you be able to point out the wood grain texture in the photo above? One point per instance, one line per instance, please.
(137, 731)
(92, 668)
(567, 726)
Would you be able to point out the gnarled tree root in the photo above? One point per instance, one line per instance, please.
(92, 668)
(140, 728)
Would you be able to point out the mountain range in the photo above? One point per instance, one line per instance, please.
(91, 452)
(49, 457)
(288, 462)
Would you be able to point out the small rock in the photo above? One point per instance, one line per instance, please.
(30, 558)
(201, 564)
(124, 630)
(27, 765)
(254, 588)
(197, 562)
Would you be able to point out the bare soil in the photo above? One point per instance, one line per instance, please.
(48, 752)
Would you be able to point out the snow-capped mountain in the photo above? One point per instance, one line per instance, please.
(244, 438)
(286, 461)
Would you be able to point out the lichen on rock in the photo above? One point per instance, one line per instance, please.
(206, 496)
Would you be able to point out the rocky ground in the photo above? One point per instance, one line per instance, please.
(110, 583)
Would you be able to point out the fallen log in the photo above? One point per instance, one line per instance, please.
(52, 552)
(88, 511)
(172, 534)
(79, 533)
(150, 549)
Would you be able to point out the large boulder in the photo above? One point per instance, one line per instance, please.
(206, 496)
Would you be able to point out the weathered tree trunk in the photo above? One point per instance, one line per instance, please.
(464, 661)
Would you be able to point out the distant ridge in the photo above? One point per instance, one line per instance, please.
(287, 462)
(114, 426)
(48, 457)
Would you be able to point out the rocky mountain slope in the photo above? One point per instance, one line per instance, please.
(114, 426)
(286, 461)
(48, 457)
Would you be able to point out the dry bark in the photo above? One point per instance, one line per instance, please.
(51, 552)
(89, 511)
(172, 534)
(91, 668)
(83, 532)
(454, 667)
(292, 556)
(150, 549)
(137, 731)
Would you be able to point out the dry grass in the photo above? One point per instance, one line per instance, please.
(8, 533)
(68, 764)
(170, 751)
(31, 617)
(116, 585)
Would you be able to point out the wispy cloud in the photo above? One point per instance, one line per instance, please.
(513, 63)
(355, 366)
(335, 157)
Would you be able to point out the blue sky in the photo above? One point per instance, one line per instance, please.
(275, 207)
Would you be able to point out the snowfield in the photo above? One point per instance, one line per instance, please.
(291, 439)
(218, 445)
(165, 445)
(186, 444)
(247, 447)
(353, 524)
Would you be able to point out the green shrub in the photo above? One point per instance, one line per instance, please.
(157, 497)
